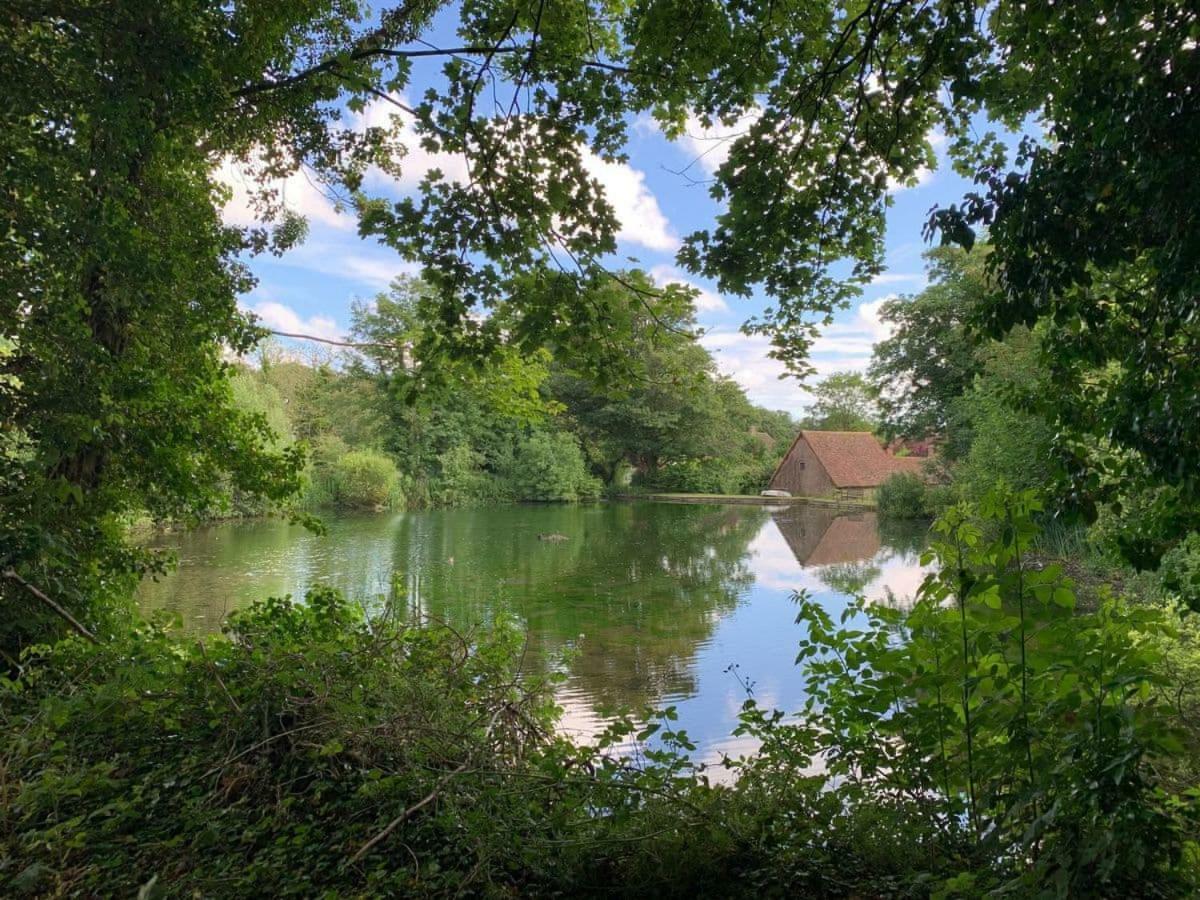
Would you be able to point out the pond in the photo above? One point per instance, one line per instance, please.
(659, 603)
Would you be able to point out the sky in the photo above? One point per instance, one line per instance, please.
(659, 195)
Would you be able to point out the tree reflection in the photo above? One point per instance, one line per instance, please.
(633, 591)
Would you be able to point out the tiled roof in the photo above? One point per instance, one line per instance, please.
(854, 459)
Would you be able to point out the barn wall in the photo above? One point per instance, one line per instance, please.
(802, 474)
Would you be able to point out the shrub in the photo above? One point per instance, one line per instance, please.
(260, 764)
(903, 496)
(1180, 571)
(548, 465)
(462, 480)
(1030, 731)
(696, 476)
(360, 479)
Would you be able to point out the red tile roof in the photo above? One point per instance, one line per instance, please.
(855, 459)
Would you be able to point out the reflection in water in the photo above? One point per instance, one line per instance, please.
(654, 601)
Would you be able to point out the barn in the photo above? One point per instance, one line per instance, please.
(847, 464)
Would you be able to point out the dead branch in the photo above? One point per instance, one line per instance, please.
(12, 575)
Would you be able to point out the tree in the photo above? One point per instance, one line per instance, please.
(843, 401)
(119, 281)
(933, 353)
(445, 410)
(999, 431)
(548, 465)
(667, 411)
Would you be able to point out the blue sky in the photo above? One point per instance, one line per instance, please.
(659, 195)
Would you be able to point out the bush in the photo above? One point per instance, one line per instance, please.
(1180, 571)
(358, 479)
(462, 480)
(1031, 731)
(699, 476)
(259, 765)
(550, 466)
(903, 496)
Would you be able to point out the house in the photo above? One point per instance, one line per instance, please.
(838, 464)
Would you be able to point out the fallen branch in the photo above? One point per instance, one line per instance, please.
(12, 575)
(400, 819)
(424, 801)
(217, 675)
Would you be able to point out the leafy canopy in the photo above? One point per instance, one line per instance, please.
(843, 401)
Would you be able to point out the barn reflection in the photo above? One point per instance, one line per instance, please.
(852, 552)
(828, 535)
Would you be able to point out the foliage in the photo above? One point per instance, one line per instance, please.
(696, 476)
(452, 423)
(932, 356)
(843, 401)
(549, 466)
(1180, 571)
(1024, 734)
(466, 432)
(1092, 233)
(1008, 437)
(673, 409)
(903, 496)
(282, 735)
(462, 480)
(360, 479)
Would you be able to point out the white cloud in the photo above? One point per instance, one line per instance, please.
(281, 317)
(843, 346)
(706, 300)
(299, 192)
(868, 317)
(897, 278)
(776, 566)
(637, 209)
(922, 175)
(375, 271)
(744, 359)
(866, 326)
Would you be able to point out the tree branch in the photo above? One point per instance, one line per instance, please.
(335, 62)
(321, 340)
(12, 575)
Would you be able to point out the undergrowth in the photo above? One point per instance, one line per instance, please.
(990, 741)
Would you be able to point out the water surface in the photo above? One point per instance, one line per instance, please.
(656, 601)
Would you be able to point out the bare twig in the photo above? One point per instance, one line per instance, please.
(217, 675)
(262, 743)
(12, 575)
(424, 801)
(322, 340)
(400, 819)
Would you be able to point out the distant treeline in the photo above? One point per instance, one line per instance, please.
(394, 424)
